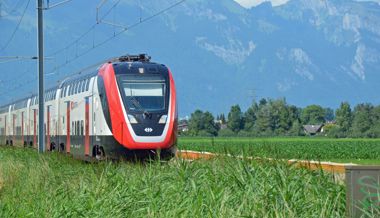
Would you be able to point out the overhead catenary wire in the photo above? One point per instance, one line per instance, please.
(17, 27)
(72, 43)
(125, 28)
(142, 20)
(12, 11)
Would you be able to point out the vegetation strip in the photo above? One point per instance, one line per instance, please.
(310, 164)
(55, 185)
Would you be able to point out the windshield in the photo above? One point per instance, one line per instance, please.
(144, 93)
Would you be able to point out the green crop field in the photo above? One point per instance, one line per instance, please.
(362, 151)
(55, 185)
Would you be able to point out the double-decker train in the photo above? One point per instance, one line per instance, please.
(126, 107)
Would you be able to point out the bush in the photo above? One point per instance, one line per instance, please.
(204, 133)
(226, 133)
(244, 133)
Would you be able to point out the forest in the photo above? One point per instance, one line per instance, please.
(275, 117)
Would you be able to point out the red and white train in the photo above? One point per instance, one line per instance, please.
(127, 106)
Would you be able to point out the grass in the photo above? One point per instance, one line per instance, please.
(361, 151)
(54, 185)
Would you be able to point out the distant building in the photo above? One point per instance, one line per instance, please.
(183, 126)
(221, 124)
(313, 129)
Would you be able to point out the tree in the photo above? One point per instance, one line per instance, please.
(375, 129)
(296, 129)
(281, 121)
(250, 117)
(362, 122)
(329, 114)
(209, 124)
(223, 119)
(196, 122)
(235, 119)
(344, 116)
(263, 125)
(313, 114)
(202, 123)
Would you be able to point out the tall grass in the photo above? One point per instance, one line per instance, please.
(54, 185)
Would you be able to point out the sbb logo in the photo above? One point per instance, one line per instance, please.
(148, 130)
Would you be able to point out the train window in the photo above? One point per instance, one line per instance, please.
(87, 84)
(79, 86)
(71, 88)
(72, 127)
(55, 94)
(63, 120)
(83, 85)
(78, 128)
(81, 127)
(68, 90)
(75, 88)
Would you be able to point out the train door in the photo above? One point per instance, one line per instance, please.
(87, 113)
(68, 128)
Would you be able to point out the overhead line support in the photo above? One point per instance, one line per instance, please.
(40, 36)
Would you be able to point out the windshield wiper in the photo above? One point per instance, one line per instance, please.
(136, 103)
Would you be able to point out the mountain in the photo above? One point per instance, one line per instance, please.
(308, 51)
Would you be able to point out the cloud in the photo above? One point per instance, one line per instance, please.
(254, 3)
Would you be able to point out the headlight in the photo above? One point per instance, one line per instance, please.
(163, 119)
(132, 119)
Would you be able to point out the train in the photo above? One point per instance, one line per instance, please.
(125, 106)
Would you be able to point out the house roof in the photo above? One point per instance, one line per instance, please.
(312, 129)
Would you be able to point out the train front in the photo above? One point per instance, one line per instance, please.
(142, 104)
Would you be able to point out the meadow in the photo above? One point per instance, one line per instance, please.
(361, 151)
(55, 185)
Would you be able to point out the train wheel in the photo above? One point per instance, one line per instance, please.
(52, 146)
(25, 143)
(11, 143)
(62, 147)
(7, 142)
(167, 154)
(31, 144)
(98, 152)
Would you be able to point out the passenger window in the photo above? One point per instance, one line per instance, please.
(81, 128)
(87, 84)
(83, 85)
(78, 133)
(76, 88)
(79, 86)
